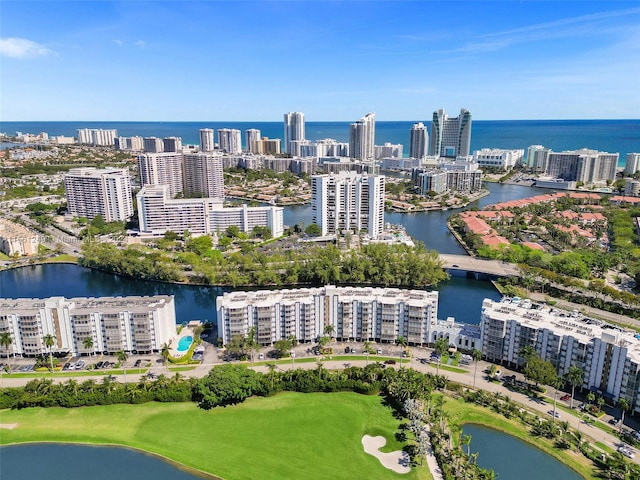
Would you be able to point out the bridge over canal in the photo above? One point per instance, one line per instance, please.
(477, 265)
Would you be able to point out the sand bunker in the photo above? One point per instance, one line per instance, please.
(397, 461)
(8, 426)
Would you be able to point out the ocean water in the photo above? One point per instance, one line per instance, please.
(621, 136)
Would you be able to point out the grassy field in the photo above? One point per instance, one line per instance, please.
(462, 412)
(291, 435)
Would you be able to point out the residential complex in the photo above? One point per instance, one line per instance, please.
(362, 134)
(498, 158)
(585, 165)
(450, 137)
(92, 192)
(293, 130)
(132, 324)
(153, 145)
(162, 169)
(203, 175)
(229, 140)
(158, 213)
(97, 137)
(16, 239)
(348, 201)
(362, 313)
(608, 355)
(251, 135)
(633, 163)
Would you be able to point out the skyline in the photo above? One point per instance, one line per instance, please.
(333, 61)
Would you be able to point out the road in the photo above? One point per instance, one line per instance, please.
(418, 361)
(473, 264)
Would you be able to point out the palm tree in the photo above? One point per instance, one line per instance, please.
(441, 346)
(575, 377)
(6, 341)
(88, 344)
(600, 402)
(624, 406)
(556, 383)
(476, 355)
(527, 352)
(403, 343)
(328, 330)
(251, 342)
(591, 397)
(49, 342)
(122, 356)
(165, 353)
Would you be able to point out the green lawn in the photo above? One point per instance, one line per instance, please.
(289, 436)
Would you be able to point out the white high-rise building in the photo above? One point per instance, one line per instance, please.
(418, 141)
(153, 145)
(172, 144)
(131, 324)
(348, 201)
(293, 129)
(97, 137)
(203, 175)
(388, 150)
(355, 313)
(450, 137)
(498, 157)
(538, 158)
(633, 163)
(207, 144)
(162, 169)
(251, 135)
(159, 213)
(586, 166)
(362, 134)
(229, 140)
(92, 192)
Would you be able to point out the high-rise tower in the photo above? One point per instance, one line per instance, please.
(206, 140)
(362, 136)
(450, 137)
(293, 129)
(418, 141)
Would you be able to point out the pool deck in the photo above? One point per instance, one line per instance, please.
(186, 332)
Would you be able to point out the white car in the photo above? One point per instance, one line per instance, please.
(627, 451)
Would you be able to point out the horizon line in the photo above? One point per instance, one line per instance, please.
(322, 121)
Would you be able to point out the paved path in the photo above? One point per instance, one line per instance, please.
(473, 264)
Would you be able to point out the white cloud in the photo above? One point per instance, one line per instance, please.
(118, 42)
(140, 43)
(22, 48)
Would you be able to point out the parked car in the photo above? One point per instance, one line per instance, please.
(80, 365)
(390, 362)
(379, 351)
(565, 398)
(554, 414)
(353, 350)
(261, 356)
(99, 364)
(137, 363)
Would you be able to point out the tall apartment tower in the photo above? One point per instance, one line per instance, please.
(450, 137)
(538, 157)
(251, 135)
(203, 175)
(229, 140)
(633, 163)
(418, 141)
(293, 129)
(153, 145)
(348, 201)
(362, 135)
(206, 140)
(172, 144)
(92, 192)
(162, 169)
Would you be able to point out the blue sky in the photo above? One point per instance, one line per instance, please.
(332, 60)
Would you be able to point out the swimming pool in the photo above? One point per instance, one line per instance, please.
(185, 343)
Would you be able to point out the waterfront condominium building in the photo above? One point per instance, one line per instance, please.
(498, 158)
(293, 129)
(418, 141)
(348, 201)
(162, 169)
(355, 313)
(132, 324)
(450, 137)
(633, 163)
(207, 143)
(203, 175)
(229, 140)
(538, 158)
(153, 145)
(97, 137)
(267, 146)
(251, 135)
(586, 166)
(172, 144)
(388, 150)
(608, 355)
(362, 134)
(91, 192)
(159, 213)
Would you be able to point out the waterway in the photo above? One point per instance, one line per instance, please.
(512, 458)
(460, 297)
(80, 462)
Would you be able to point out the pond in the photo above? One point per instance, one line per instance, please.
(511, 458)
